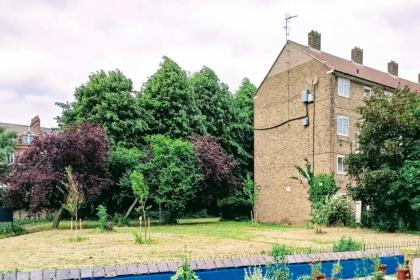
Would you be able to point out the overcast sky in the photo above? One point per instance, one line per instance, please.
(47, 48)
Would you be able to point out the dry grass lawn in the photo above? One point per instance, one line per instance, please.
(206, 238)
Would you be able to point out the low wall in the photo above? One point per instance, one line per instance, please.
(232, 269)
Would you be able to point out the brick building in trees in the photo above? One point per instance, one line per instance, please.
(305, 108)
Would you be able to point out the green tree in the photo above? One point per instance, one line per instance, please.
(107, 99)
(121, 162)
(140, 190)
(172, 174)
(7, 143)
(242, 134)
(386, 167)
(214, 102)
(74, 194)
(168, 98)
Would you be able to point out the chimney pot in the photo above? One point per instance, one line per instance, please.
(36, 125)
(357, 55)
(393, 68)
(314, 40)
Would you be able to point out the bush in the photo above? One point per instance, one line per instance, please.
(336, 211)
(11, 229)
(234, 208)
(120, 220)
(255, 273)
(103, 217)
(280, 250)
(346, 244)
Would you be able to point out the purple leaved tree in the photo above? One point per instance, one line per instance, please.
(217, 168)
(37, 179)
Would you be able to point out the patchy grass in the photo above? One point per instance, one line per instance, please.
(43, 247)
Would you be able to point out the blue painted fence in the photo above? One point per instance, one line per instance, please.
(351, 269)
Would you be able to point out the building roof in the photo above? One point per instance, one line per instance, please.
(357, 70)
(20, 128)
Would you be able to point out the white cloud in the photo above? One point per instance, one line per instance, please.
(50, 47)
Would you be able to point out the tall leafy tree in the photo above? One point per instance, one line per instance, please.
(218, 170)
(107, 99)
(38, 177)
(6, 149)
(243, 125)
(172, 174)
(121, 162)
(214, 102)
(386, 167)
(168, 98)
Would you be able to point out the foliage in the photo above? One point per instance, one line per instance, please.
(319, 186)
(103, 217)
(11, 229)
(120, 220)
(280, 250)
(38, 176)
(185, 272)
(337, 269)
(243, 125)
(214, 102)
(121, 162)
(336, 210)
(6, 148)
(107, 99)
(316, 269)
(248, 187)
(140, 190)
(234, 208)
(347, 244)
(171, 173)
(255, 273)
(217, 168)
(74, 194)
(78, 238)
(168, 98)
(386, 168)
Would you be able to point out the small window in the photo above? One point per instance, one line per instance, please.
(340, 165)
(27, 139)
(388, 93)
(343, 87)
(367, 92)
(343, 125)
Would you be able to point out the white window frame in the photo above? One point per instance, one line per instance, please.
(26, 138)
(340, 129)
(343, 171)
(341, 85)
(365, 93)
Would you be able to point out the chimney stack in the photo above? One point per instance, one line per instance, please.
(393, 68)
(36, 125)
(419, 78)
(314, 40)
(357, 55)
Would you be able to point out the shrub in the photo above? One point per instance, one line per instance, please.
(120, 220)
(234, 208)
(103, 217)
(11, 229)
(280, 250)
(255, 273)
(336, 211)
(185, 272)
(346, 244)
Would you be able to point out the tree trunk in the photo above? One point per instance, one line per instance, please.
(57, 218)
(131, 208)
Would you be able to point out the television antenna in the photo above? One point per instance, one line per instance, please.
(287, 19)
